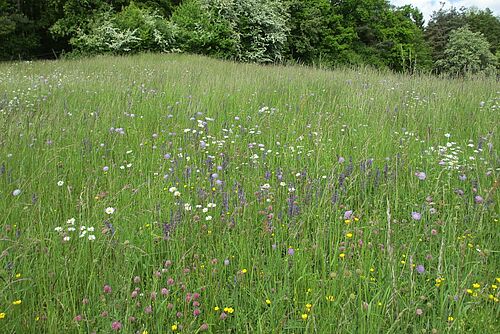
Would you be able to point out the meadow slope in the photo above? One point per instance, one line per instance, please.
(175, 193)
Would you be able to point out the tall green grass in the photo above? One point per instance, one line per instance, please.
(271, 247)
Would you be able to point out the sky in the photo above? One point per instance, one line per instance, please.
(428, 6)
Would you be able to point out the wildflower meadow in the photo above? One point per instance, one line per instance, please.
(173, 193)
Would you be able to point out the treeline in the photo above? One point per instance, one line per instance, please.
(325, 32)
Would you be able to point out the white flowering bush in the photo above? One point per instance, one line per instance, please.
(132, 30)
(246, 30)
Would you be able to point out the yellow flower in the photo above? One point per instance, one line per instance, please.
(372, 269)
(469, 291)
(494, 286)
(145, 332)
(349, 235)
(330, 298)
(174, 327)
(216, 308)
(476, 285)
(2, 315)
(309, 306)
(268, 302)
(18, 275)
(16, 302)
(230, 310)
(304, 316)
(497, 279)
(439, 280)
(244, 271)
(450, 318)
(342, 255)
(356, 219)
(347, 221)
(491, 297)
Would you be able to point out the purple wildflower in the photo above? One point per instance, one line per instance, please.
(116, 325)
(421, 175)
(420, 269)
(416, 216)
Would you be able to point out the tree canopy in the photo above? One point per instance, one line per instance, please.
(326, 32)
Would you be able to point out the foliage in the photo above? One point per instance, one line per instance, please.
(317, 34)
(201, 31)
(326, 32)
(133, 29)
(467, 53)
(485, 22)
(249, 30)
(17, 36)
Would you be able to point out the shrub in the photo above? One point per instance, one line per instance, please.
(467, 53)
(246, 30)
(132, 30)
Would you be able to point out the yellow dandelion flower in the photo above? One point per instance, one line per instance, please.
(2, 315)
(17, 302)
(330, 298)
(497, 279)
(174, 327)
(342, 255)
(372, 269)
(450, 318)
(216, 308)
(349, 235)
(268, 302)
(304, 316)
(494, 286)
(347, 221)
(244, 271)
(476, 285)
(491, 297)
(145, 332)
(469, 291)
(356, 219)
(229, 310)
(18, 275)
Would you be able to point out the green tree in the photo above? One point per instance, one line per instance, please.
(467, 52)
(441, 24)
(316, 33)
(18, 36)
(485, 22)
(246, 30)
